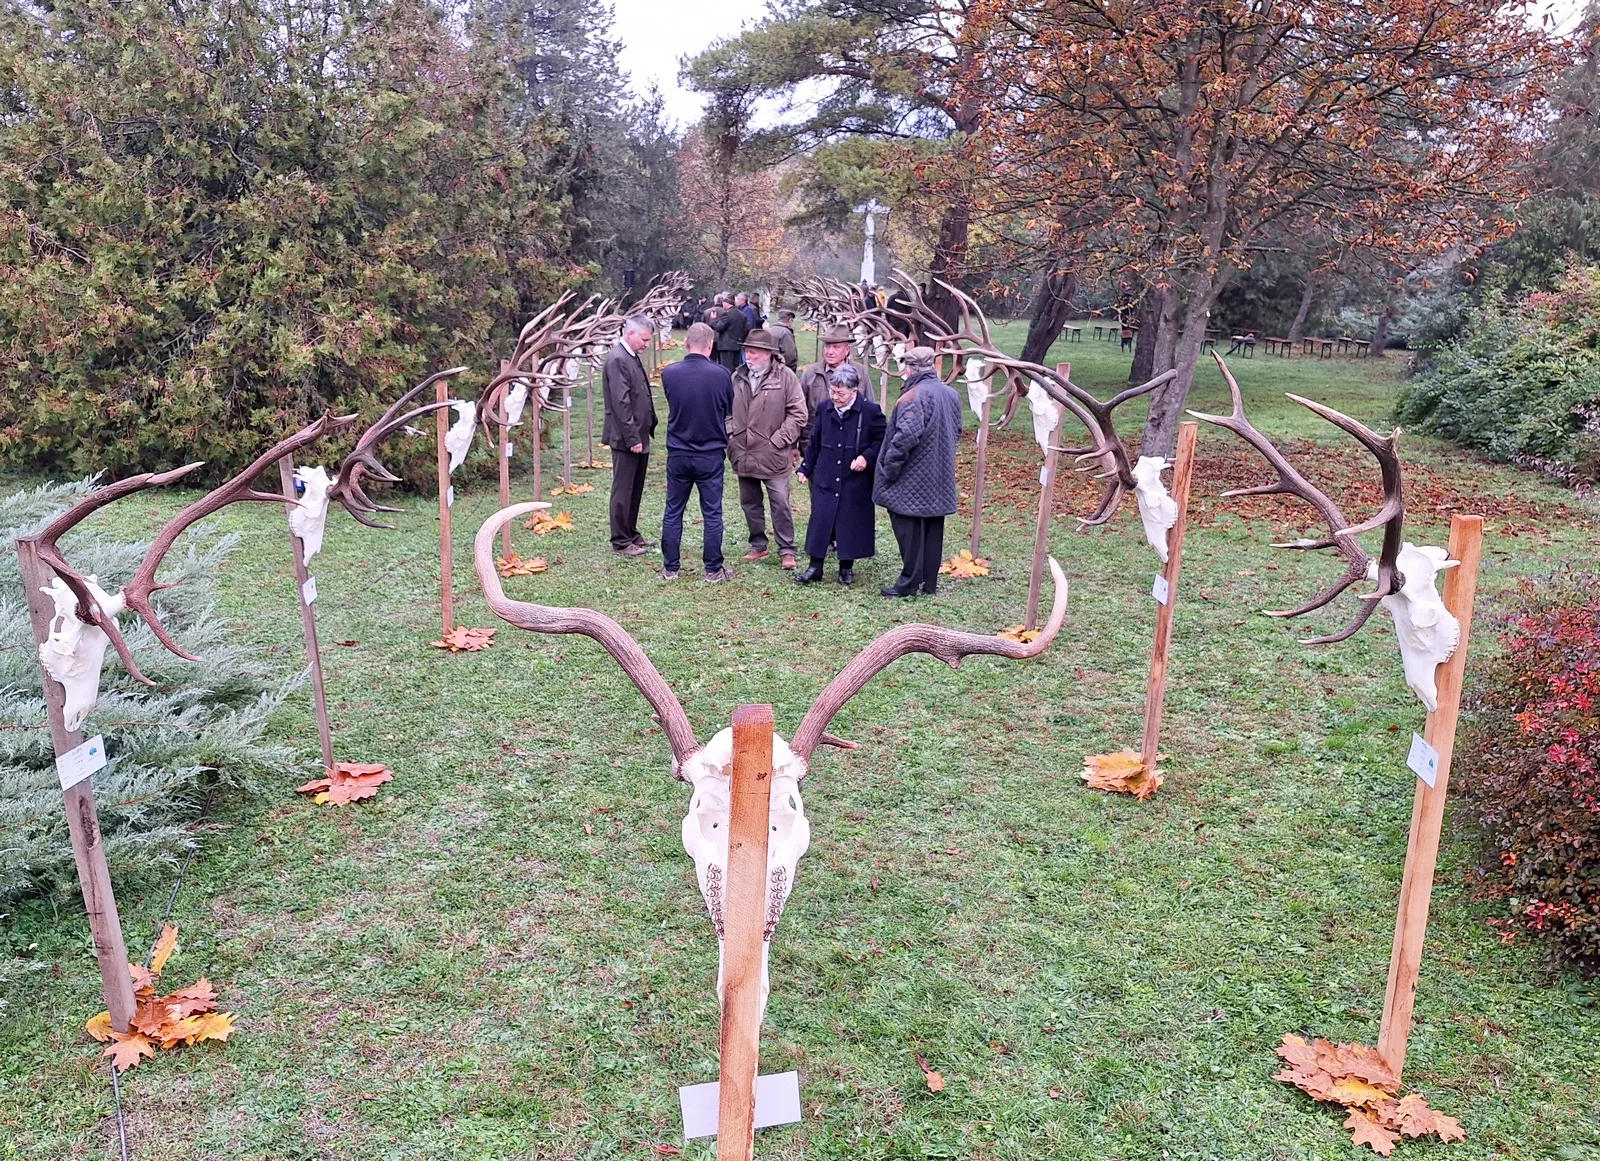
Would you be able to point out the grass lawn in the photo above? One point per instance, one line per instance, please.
(505, 954)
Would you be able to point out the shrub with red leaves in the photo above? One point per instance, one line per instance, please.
(1531, 765)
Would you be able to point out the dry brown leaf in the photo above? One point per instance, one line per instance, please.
(1019, 633)
(1418, 1120)
(543, 523)
(127, 1049)
(1355, 1076)
(1122, 772)
(514, 565)
(571, 489)
(166, 945)
(185, 1016)
(99, 1027)
(464, 640)
(592, 464)
(934, 1081)
(1366, 1131)
(964, 566)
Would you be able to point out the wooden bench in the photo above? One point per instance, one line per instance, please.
(1278, 346)
(1363, 347)
(1099, 330)
(1074, 334)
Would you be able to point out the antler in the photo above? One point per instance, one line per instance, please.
(948, 645)
(1341, 533)
(363, 458)
(611, 636)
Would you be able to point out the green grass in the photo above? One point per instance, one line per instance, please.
(459, 969)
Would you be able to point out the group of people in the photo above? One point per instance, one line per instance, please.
(775, 423)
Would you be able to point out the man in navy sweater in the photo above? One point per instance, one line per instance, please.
(699, 397)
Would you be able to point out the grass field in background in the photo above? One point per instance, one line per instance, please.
(505, 954)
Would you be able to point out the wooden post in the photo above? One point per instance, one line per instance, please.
(538, 440)
(498, 402)
(1427, 811)
(308, 619)
(83, 822)
(1155, 694)
(1041, 532)
(566, 436)
(980, 469)
(441, 392)
(744, 921)
(589, 402)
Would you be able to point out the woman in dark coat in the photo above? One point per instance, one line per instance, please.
(838, 464)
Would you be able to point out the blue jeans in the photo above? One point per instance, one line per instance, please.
(687, 470)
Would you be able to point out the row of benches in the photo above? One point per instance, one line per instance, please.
(1322, 348)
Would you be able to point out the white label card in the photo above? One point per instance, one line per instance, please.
(1044, 475)
(308, 591)
(1423, 760)
(777, 1103)
(1161, 590)
(81, 761)
(450, 496)
(510, 447)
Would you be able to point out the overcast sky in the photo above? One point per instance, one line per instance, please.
(655, 33)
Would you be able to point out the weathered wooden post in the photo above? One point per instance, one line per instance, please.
(1427, 811)
(980, 466)
(441, 394)
(503, 447)
(1047, 503)
(306, 594)
(1167, 595)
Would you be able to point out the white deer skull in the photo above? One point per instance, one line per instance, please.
(309, 515)
(1046, 414)
(705, 834)
(74, 653)
(1157, 509)
(1427, 631)
(977, 383)
(459, 438)
(880, 353)
(516, 400)
(898, 352)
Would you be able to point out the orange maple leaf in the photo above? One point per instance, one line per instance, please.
(128, 1049)
(166, 946)
(144, 983)
(202, 997)
(1366, 1131)
(1122, 772)
(214, 1026)
(963, 565)
(464, 640)
(514, 565)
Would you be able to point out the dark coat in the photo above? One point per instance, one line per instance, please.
(630, 411)
(699, 397)
(841, 500)
(814, 384)
(731, 327)
(784, 338)
(917, 467)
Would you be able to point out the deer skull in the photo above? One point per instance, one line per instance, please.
(898, 351)
(516, 400)
(1157, 509)
(705, 834)
(459, 438)
(75, 653)
(1046, 414)
(309, 515)
(1428, 632)
(977, 384)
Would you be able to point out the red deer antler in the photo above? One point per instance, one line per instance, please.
(363, 457)
(1341, 533)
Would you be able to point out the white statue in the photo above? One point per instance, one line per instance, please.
(1157, 509)
(1046, 413)
(309, 515)
(705, 834)
(977, 383)
(869, 258)
(74, 653)
(516, 400)
(1427, 631)
(459, 438)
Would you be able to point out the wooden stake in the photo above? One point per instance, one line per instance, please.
(498, 402)
(308, 619)
(589, 402)
(83, 822)
(1155, 694)
(744, 920)
(538, 440)
(1427, 810)
(441, 392)
(980, 470)
(1041, 532)
(566, 436)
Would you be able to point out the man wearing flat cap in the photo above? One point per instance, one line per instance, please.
(916, 477)
(769, 412)
(836, 347)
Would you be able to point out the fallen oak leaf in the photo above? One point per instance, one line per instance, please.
(1122, 772)
(1416, 1119)
(201, 997)
(99, 1027)
(1366, 1131)
(166, 947)
(514, 565)
(129, 1048)
(1019, 633)
(182, 1031)
(464, 640)
(668, 1150)
(934, 1081)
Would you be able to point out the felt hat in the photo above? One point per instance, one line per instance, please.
(760, 339)
(837, 333)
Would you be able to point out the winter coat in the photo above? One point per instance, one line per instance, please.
(917, 466)
(764, 428)
(731, 326)
(630, 411)
(814, 382)
(787, 347)
(841, 500)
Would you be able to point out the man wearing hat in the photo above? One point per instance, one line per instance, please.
(783, 335)
(916, 477)
(769, 412)
(836, 346)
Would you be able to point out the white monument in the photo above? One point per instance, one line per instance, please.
(869, 266)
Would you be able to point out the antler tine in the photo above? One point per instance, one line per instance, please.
(612, 637)
(347, 485)
(949, 645)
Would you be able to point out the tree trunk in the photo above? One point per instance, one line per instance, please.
(1052, 306)
(949, 259)
(1299, 323)
(1144, 350)
(1380, 333)
(1167, 402)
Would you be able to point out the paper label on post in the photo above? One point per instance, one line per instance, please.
(1161, 590)
(1423, 760)
(81, 761)
(510, 447)
(450, 496)
(1044, 475)
(308, 591)
(777, 1103)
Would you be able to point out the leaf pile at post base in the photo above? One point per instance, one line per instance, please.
(964, 566)
(592, 464)
(187, 1016)
(347, 782)
(514, 565)
(1122, 772)
(571, 489)
(1019, 633)
(543, 523)
(464, 640)
(1354, 1076)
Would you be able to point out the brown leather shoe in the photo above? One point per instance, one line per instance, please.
(786, 560)
(630, 550)
(756, 554)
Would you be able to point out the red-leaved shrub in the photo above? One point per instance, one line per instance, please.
(1531, 764)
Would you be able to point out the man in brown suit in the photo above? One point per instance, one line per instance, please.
(630, 422)
(836, 346)
(769, 412)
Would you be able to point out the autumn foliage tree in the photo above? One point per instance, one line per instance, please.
(733, 220)
(1179, 135)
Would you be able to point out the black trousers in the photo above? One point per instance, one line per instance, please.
(627, 493)
(729, 359)
(921, 541)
